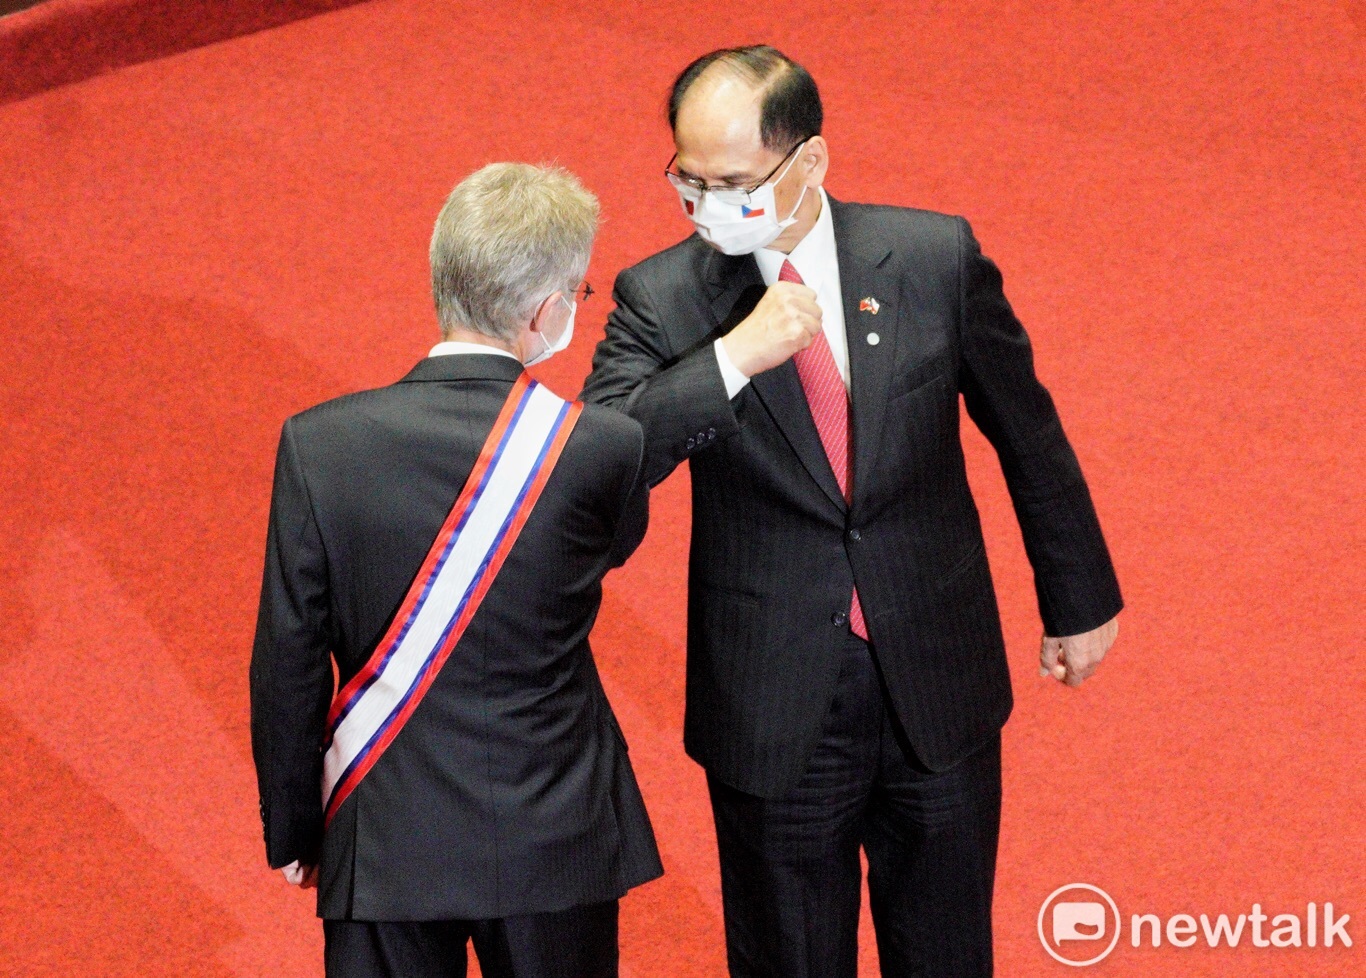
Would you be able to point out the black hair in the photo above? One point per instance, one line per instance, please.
(791, 109)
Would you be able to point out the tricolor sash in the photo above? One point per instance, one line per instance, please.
(516, 460)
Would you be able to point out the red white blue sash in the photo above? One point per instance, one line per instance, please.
(484, 523)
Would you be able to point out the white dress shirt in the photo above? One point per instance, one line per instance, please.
(816, 262)
(454, 346)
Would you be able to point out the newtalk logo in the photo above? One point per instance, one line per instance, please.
(1079, 924)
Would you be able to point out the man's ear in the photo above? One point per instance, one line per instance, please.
(539, 315)
(815, 160)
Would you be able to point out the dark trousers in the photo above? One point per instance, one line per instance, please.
(577, 943)
(790, 870)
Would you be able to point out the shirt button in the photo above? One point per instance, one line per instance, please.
(839, 618)
(854, 534)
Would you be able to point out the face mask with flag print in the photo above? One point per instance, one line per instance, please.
(736, 228)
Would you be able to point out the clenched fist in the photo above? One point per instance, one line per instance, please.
(297, 874)
(786, 320)
(1071, 659)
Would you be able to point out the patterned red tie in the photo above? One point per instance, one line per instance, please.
(829, 402)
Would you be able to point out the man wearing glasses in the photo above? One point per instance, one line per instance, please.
(847, 679)
(443, 541)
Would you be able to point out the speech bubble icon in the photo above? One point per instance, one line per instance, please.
(1078, 922)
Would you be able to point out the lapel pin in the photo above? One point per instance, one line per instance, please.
(874, 339)
(868, 305)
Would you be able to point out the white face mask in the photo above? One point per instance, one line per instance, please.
(735, 228)
(561, 344)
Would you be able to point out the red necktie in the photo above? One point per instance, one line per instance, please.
(829, 401)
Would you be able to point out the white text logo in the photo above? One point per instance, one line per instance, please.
(1079, 924)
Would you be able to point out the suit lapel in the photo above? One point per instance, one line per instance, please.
(864, 274)
(736, 287)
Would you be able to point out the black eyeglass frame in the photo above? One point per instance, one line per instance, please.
(701, 187)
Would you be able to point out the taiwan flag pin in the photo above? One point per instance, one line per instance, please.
(868, 305)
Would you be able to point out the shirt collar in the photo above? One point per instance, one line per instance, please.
(450, 347)
(812, 256)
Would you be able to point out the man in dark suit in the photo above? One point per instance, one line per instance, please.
(475, 787)
(846, 675)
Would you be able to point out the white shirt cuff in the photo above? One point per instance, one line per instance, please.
(735, 380)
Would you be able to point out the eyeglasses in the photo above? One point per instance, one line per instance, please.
(692, 188)
(580, 292)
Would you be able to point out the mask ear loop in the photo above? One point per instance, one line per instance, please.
(540, 308)
(550, 349)
(791, 216)
(563, 342)
(540, 332)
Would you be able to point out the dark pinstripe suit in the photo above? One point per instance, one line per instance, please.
(509, 791)
(775, 549)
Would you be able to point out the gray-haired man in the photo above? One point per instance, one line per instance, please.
(444, 540)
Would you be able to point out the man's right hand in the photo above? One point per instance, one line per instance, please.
(786, 320)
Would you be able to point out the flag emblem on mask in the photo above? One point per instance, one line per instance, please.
(687, 206)
(751, 212)
(868, 305)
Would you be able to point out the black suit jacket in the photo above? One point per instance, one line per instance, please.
(509, 790)
(775, 549)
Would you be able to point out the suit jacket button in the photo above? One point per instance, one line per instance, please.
(711, 433)
(839, 618)
(692, 442)
(854, 534)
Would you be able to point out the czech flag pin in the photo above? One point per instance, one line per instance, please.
(868, 305)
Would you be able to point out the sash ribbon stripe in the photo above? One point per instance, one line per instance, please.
(476, 537)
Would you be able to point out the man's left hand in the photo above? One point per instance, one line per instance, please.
(1072, 658)
(304, 877)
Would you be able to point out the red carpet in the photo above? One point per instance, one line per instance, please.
(194, 246)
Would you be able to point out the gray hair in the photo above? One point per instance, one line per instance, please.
(509, 235)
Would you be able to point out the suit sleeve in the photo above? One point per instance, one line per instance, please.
(1073, 575)
(291, 672)
(680, 400)
(634, 505)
